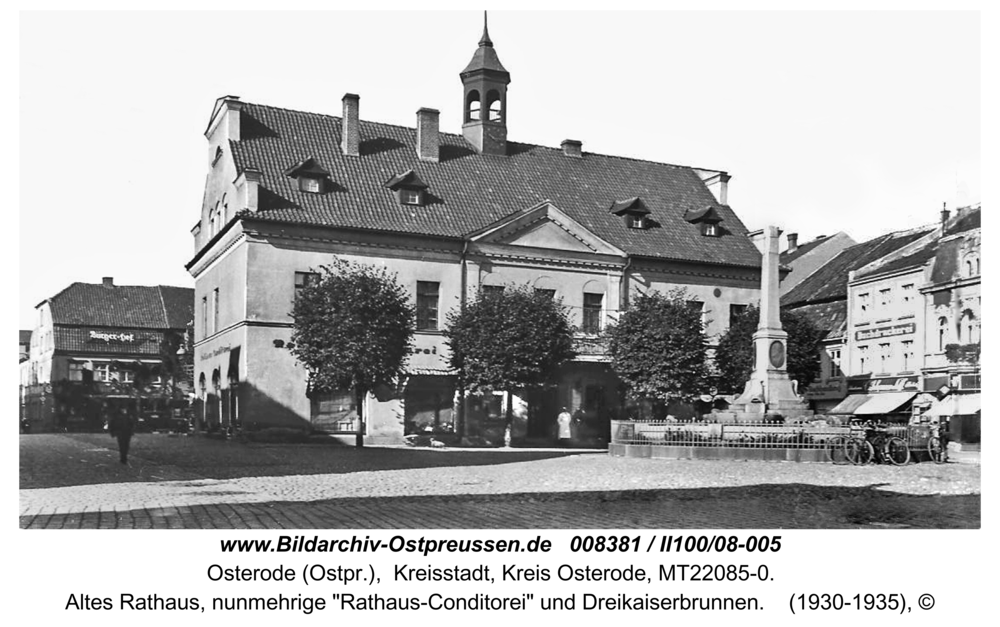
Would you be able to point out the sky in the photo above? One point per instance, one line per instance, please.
(862, 122)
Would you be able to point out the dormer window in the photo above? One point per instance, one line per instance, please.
(410, 197)
(634, 212)
(410, 190)
(707, 219)
(312, 178)
(311, 185)
(635, 222)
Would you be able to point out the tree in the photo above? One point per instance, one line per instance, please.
(509, 339)
(353, 330)
(735, 354)
(658, 348)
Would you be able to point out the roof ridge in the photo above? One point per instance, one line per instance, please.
(462, 137)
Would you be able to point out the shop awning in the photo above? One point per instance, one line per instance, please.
(850, 404)
(886, 403)
(955, 405)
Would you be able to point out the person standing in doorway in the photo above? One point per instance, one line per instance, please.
(565, 422)
(122, 426)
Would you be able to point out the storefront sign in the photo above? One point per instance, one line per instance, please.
(969, 382)
(884, 384)
(215, 353)
(897, 329)
(825, 391)
(99, 336)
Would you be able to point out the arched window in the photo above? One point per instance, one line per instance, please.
(969, 322)
(472, 106)
(942, 333)
(493, 106)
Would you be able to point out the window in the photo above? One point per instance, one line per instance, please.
(908, 293)
(472, 106)
(75, 371)
(735, 311)
(204, 316)
(427, 305)
(550, 294)
(126, 376)
(710, 230)
(942, 333)
(835, 370)
(102, 372)
(864, 361)
(215, 310)
(310, 184)
(493, 290)
(493, 100)
(593, 304)
(410, 197)
(699, 307)
(305, 279)
(635, 221)
(885, 297)
(864, 304)
(907, 355)
(884, 357)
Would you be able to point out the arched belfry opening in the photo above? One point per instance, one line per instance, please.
(473, 106)
(485, 118)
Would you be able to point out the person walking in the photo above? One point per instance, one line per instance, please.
(565, 422)
(122, 426)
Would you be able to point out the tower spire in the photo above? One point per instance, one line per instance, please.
(485, 39)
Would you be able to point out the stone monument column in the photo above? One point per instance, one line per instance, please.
(769, 389)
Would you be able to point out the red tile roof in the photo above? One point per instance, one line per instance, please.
(125, 306)
(468, 191)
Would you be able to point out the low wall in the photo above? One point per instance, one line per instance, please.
(660, 451)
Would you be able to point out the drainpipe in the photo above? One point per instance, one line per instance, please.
(623, 289)
(463, 265)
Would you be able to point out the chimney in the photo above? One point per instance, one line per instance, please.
(108, 281)
(793, 242)
(945, 214)
(428, 146)
(350, 134)
(572, 148)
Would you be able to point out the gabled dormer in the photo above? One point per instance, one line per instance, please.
(708, 219)
(633, 211)
(312, 178)
(409, 188)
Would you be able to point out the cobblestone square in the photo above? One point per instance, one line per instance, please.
(75, 481)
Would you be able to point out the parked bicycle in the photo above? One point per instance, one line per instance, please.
(866, 443)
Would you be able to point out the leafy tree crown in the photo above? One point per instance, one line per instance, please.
(510, 339)
(353, 327)
(658, 347)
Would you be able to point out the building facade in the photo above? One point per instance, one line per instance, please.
(289, 191)
(823, 297)
(903, 341)
(97, 347)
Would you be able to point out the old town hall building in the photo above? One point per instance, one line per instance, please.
(287, 191)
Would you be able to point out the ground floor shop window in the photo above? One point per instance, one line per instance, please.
(334, 412)
(429, 405)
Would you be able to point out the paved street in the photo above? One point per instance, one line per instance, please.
(74, 481)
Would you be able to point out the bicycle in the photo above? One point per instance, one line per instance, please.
(937, 445)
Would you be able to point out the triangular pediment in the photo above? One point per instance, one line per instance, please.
(545, 226)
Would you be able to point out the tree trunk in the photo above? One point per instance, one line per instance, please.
(509, 419)
(359, 440)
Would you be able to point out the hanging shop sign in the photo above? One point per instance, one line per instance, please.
(883, 384)
(896, 329)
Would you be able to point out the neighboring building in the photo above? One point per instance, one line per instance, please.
(822, 297)
(449, 214)
(90, 343)
(804, 259)
(910, 309)
(23, 345)
(894, 308)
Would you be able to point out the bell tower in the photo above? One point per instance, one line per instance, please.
(484, 99)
